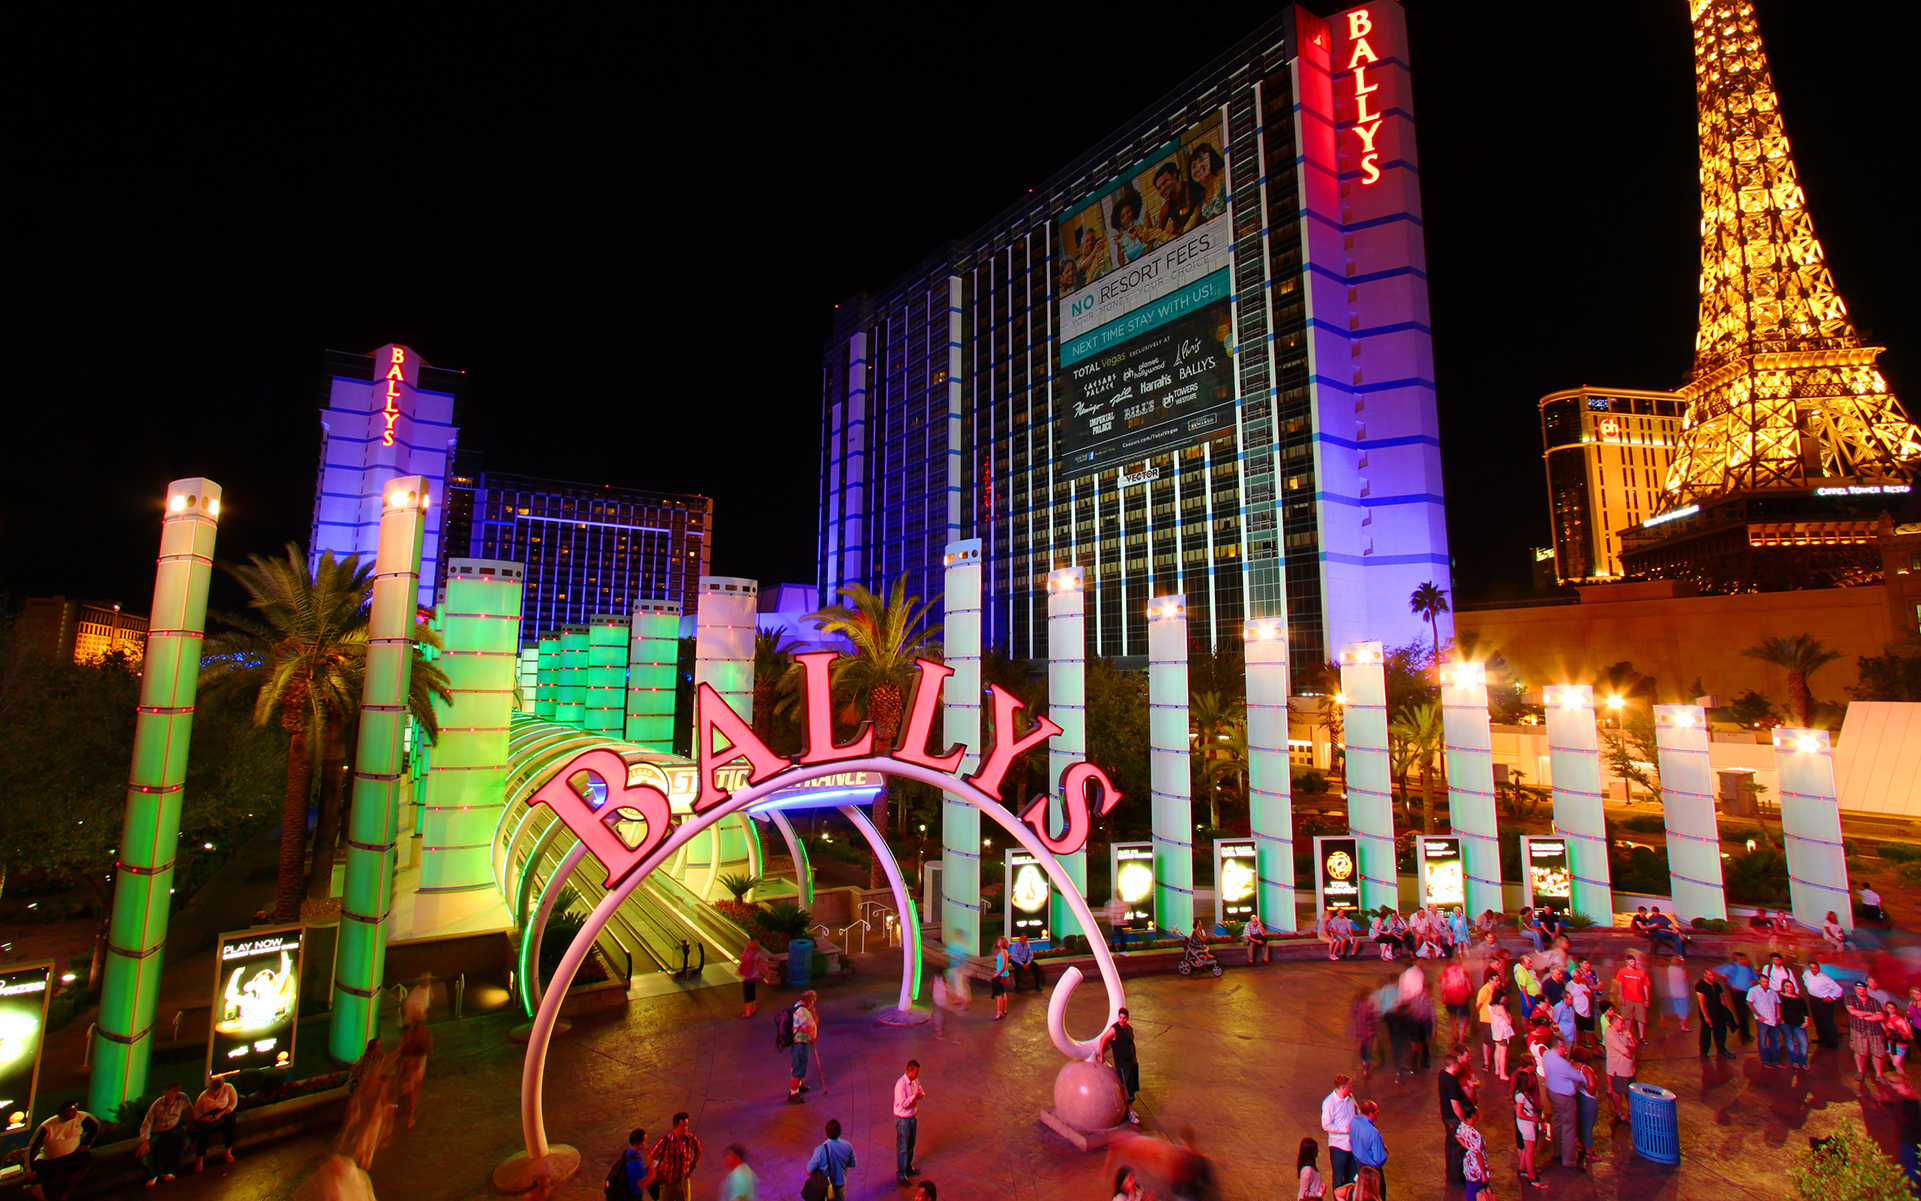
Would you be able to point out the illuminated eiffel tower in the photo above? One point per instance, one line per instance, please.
(1792, 440)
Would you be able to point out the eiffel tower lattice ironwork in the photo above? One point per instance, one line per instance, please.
(1784, 395)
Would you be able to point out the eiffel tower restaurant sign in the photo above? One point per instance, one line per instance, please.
(593, 791)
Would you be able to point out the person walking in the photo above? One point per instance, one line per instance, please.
(1337, 1118)
(834, 1158)
(60, 1153)
(1363, 1023)
(1680, 993)
(1563, 1085)
(1454, 1108)
(740, 1183)
(675, 1157)
(1119, 1039)
(367, 1065)
(1022, 956)
(997, 985)
(1456, 994)
(1821, 991)
(1711, 996)
(1738, 977)
(749, 976)
(1867, 1036)
(410, 1065)
(213, 1113)
(164, 1132)
(806, 1032)
(1765, 1004)
(907, 1095)
(1369, 1150)
(1794, 1022)
(1620, 1042)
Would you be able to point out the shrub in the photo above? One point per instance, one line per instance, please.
(837, 850)
(1308, 781)
(1900, 852)
(1848, 1167)
(1649, 823)
(786, 918)
(1910, 873)
(1579, 921)
(739, 883)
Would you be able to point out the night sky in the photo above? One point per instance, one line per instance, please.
(633, 242)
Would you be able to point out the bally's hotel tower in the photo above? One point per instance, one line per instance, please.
(1197, 360)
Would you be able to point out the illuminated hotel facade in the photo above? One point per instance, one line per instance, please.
(1607, 452)
(382, 415)
(1196, 360)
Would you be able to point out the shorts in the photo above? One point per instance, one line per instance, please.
(1618, 1085)
(996, 986)
(1635, 1011)
(1458, 1012)
(1872, 1042)
(747, 991)
(1584, 1023)
(1524, 1130)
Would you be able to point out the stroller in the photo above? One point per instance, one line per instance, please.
(1195, 955)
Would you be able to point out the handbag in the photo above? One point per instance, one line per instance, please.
(815, 1189)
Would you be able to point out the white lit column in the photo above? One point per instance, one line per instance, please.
(1168, 758)
(1067, 706)
(725, 622)
(960, 823)
(1370, 798)
(1687, 799)
(1574, 762)
(1811, 824)
(1470, 781)
(653, 654)
(1270, 786)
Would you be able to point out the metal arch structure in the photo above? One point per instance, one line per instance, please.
(524, 1169)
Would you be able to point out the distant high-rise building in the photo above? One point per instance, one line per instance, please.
(82, 631)
(590, 549)
(382, 415)
(1607, 452)
(457, 522)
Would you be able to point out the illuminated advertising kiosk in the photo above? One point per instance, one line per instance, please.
(1442, 871)
(1337, 874)
(1132, 868)
(1237, 880)
(1545, 879)
(25, 990)
(256, 1000)
(1028, 896)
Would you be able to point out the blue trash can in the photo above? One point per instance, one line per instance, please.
(1656, 1122)
(800, 962)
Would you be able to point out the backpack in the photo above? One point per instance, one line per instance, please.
(618, 1186)
(784, 1028)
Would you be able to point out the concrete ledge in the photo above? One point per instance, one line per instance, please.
(592, 998)
(1083, 1140)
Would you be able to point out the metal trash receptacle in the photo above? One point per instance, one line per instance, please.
(1656, 1121)
(800, 962)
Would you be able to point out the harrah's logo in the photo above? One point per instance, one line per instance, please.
(1366, 123)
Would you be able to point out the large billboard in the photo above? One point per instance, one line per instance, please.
(1144, 320)
(1337, 873)
(24, 993)
(1548, 882)
(256, 1000)
(1028, 895)
(1132, 865)
(1443, 871)
(1237, 875)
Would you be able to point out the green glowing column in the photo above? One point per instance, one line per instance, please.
(1469, 746)
(605, 695)
(162, 727)
(960, 822)
(547, 676)
(570, 692)
(379, 771)
(1270, 788)
(1067, 706)
(528, 670)
(1687, 801)
(466, 789)
(1370, 803)
(1170, 777)
(725, 623)
(652, 655)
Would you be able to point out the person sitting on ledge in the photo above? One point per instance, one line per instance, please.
(1664, 932)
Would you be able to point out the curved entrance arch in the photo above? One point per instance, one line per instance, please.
(525, 1169)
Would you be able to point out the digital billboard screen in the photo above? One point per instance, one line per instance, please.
(1237, 876)
(1549, 881)
(24, 993)
(1338, 872)
(1028, 895)
(1133, 866)
(1144, 321)
(256, 1000)
(1443, 872)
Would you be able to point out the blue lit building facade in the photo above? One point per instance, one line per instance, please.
(1196, 360)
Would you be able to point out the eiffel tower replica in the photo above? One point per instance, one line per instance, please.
(1792, 448)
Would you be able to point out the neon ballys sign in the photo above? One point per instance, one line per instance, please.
(394, 379)
(1367, 122)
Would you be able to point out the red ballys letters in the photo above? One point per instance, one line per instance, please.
(567, 795)
(1006, 746)
(1367, 122)
(1074, 782)
(817, 735)
(392, 411)
(714, 717)
(911, 745)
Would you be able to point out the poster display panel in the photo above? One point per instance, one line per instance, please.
(1545, 878)
(1144, 320)
(256, 1000)
(1443, 871)
(25, 990)
(1132, 866)
(1028, 894)
(1337, 873)
(1237, 878)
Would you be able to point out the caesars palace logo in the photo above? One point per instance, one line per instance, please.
(1339, 865)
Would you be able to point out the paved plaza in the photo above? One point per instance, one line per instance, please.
(1243, 1060)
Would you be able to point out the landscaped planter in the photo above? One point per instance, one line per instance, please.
(592, 998)
(773, 965)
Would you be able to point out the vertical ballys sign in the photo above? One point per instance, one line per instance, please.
(24, 993)
(256, 1000)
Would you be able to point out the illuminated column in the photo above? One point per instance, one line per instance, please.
(547, 676)
(605, 695)
(527, 678)
(163, 726)
(960, 823)
(570, 680)
(1470, 781)
(1067, 706)
(1168, 757)
(1270, 786)
(467, 780)
(1370, 798)
(1811, 824)
(1574, 760)
(726, 620)
(360, 958)
(652, 655)
(1687, 798)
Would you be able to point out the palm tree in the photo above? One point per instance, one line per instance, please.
(887, 640)
(1429, 602)
(1419, 731)
(303, 654)
(1210, 721)
(1800, 656)
(773, 664)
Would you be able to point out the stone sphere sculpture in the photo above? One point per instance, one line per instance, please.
(1089, 1096)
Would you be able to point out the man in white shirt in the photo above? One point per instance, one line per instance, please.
(907, 1095)
(64, 1144)
(1776, 970)
(1337, 1114)
(1822, 991)
(213, 1113)
(1870, 903)
(1765, 1004)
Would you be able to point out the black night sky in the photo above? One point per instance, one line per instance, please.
(633, 239)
